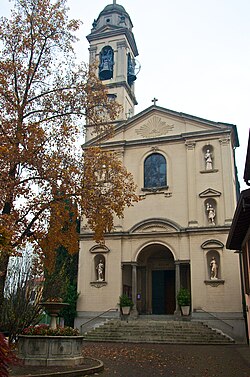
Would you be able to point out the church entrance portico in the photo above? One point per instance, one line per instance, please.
(154, 279)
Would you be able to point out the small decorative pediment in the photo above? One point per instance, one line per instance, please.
(154, 127)
(99, 249)
(154, 226)
(209, 193)
(212, 244)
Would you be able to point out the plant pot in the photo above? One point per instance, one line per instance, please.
(185, 310)
(125, 310)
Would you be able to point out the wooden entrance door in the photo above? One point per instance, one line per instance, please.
(163, 292)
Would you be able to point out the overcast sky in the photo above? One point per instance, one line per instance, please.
(194, 56)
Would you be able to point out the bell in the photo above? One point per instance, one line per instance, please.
(131, 78)
(105, 72)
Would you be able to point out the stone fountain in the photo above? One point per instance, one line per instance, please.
(46, 350)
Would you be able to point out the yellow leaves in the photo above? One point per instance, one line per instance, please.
(62, 232)
(100, 110)
(8, 234)
(74, 25)
(107, 189)
(44, 99)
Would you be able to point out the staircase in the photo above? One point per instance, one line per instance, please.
(150, 331)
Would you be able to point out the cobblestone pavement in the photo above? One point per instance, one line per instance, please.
(151, 360)
(148, 360)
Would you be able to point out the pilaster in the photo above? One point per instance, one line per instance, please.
(228, 179)
(177, 286)
(191, 184)
(121, 58)
(134, 287)
(92, 54)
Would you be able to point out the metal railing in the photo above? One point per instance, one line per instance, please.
(214, 316)
(97, 316)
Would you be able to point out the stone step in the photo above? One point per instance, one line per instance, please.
(172, 332)
(122, 336)
(153, 332)
(166, 341)
(148, 335)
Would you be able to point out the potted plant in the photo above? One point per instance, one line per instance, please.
(184, 300)
(126, 304)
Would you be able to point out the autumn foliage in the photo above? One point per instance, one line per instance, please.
(46, 100)
(7, 357)
(108, 189)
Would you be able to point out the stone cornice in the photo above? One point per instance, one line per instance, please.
(125, 85)
(115, 32)
(181, 231)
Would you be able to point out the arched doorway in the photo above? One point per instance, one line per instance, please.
(156, 280)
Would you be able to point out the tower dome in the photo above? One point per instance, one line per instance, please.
(113, 15)
(114, 7)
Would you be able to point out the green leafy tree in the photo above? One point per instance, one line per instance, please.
(62, 283)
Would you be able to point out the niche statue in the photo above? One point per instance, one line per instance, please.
(208, 160)
(211, 214)
(213, 269)
(100, 270)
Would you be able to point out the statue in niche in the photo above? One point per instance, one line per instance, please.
(208, 160)
(100, 271)
(213, 269)
(211, 214)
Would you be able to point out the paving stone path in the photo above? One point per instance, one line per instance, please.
(148, 360)
(151, 360)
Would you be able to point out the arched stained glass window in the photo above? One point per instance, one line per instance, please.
(155, 171)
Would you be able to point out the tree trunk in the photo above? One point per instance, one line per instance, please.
(4, 260)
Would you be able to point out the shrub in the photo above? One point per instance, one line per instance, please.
(7, 357)
(124, 300)
(46, 330)
(183, 297)
(69, 313)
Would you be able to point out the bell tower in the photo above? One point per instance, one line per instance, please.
(113, 47)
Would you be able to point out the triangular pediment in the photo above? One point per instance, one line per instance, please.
(154, 126)
(157, 123)
(209, 193)
(106, 28)
(155, 226)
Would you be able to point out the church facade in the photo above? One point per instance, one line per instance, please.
(175, 236)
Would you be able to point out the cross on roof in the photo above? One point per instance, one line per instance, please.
(154, 100)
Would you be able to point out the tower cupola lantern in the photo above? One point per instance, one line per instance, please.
(113, 49)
